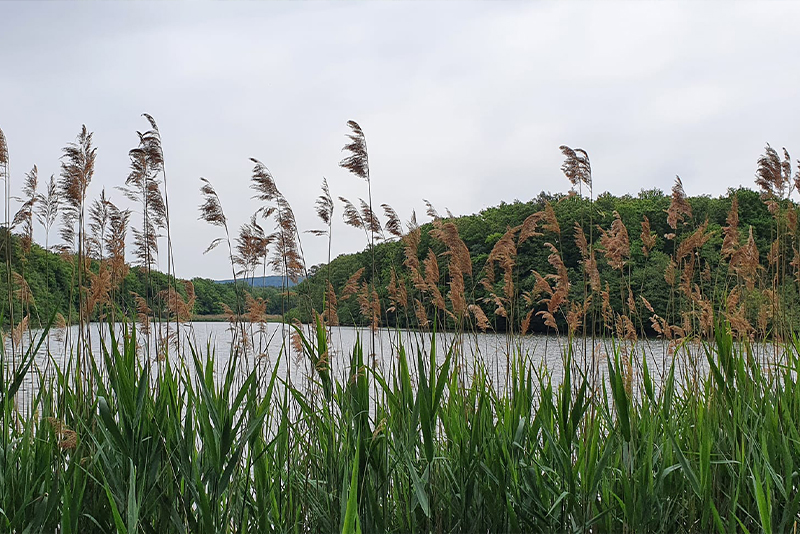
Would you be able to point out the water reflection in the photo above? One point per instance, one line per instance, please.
(265, 346)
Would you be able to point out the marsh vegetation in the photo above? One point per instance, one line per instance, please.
(156, 430)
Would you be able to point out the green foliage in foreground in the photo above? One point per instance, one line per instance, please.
(204, 447)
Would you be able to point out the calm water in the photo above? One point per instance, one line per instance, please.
(271, 344)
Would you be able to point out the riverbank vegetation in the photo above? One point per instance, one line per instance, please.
(415, 449)
(421, 438)
(48, 276)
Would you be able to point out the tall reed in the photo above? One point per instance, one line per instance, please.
(77, 170)
(702, 440)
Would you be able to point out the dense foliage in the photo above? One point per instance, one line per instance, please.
(645, 274)
(420, 447)
(51, 279)
(408, 436)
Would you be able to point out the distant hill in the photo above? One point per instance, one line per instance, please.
(482, 231)
(51, 281)
(262, 281)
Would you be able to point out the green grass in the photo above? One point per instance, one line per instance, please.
(177, 447)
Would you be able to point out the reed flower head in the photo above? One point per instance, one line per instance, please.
(358, 160)
(679, 208)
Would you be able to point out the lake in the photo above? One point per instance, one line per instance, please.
(266, 342)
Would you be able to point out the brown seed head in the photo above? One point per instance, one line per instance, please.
(679, 207)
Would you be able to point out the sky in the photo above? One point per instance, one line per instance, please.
(462, 103)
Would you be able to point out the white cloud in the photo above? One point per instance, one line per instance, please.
(463, 103)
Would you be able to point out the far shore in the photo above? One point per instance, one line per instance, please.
(222, 318)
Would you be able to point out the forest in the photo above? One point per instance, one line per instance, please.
(416, 435)
(646, 270)
(48, 275)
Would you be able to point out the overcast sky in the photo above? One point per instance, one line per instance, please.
(464, 104)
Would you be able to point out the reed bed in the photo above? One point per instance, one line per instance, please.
(193, 448)
(182, 439)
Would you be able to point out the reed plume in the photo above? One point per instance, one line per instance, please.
(179, 307)
(398, 298)
(422, 315)
(115, 243)
(576, 167)
(358, 160)
(431, 280)
(576, 315)
(554, 297)
(24, 216)
(229, 314)
(23, 291)
(153, 154)
(352, 285)
(550, 221)
(297, 340)
(503, 254)
(59, 326)
(371, 221)
(393, 224)
(252, 245)
(99, 221)
(77, 170)
(324, 204)
(736, 315)
(3, 149)
(679, 208)
(745, 261)
(615, 243)
(580, 240)
(370, 305)
(19, 331)
(530, 227)
(352, 216)
(431, 211)
(143, 313)
(151, 144)
(100, 286)
(67, 438)
(431, 269)
(480, 317)
(256, 309)
(211, 212)
(287, 255)
(191, 296)
(331, 315)
(459, 264)
(694, 242)
(47, 208)
(142, 186)
(526, 323)
(730, 232)
(358, 164)
(324, 207)
(411, 250)
(773, 176)
(648, 237)
(4, 175)
(593, 272)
